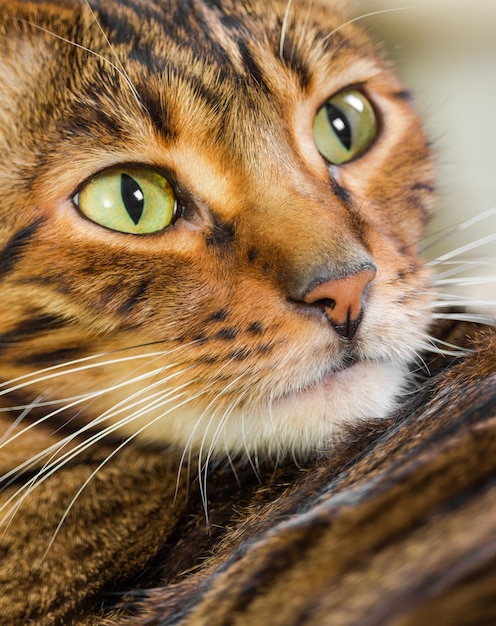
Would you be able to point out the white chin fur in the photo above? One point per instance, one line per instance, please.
(299, 423)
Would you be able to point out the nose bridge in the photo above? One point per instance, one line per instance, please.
(306, 241)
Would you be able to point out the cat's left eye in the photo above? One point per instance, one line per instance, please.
(345, 127)
(129, 200)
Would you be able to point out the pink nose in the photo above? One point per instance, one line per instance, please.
(342, 300)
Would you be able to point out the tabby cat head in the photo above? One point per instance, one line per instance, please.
(210, 225)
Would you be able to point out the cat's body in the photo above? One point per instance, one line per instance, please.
(255, 286)
(395, 526)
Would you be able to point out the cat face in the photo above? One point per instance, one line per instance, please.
(210, 240)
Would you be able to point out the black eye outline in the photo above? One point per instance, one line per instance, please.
(346, 126)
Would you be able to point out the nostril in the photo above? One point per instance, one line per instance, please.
(349, 328)
(326, 303)
(342, 300)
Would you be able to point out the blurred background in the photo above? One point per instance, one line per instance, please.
(445, 51)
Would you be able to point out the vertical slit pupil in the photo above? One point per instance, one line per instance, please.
(339, 122)
(132, 197)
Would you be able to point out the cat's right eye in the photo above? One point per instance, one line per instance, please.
(345, 127)
(131, 200)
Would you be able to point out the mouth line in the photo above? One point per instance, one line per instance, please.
(348, 361)
(325, 379)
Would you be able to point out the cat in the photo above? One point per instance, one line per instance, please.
(212, 215)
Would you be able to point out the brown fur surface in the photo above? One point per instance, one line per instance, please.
(396, 527)
(243, 496)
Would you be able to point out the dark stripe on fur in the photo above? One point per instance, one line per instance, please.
(295, 62)
(45, 359)
(219, 316)
(33, 326)
(221, 234)
(341, 192)
(423, 187)
(212, 97)
(14, 248)
(255, 328)
(134, 299)
(227, 334)
(405, 94)
(252, 68)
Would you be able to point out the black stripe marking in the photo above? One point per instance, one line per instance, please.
(158, 111)
(218, 316)
(33, 326)
(405, 94)
(14, 248)
(265, 348)
(240, 355)
(130, 304)
(295, 62)
(211, 95)
(209, 359)
(341, 192)
(227, 334)
(336, 44)
(252, 254)
(208, 47)
(55, 357)
(252, 68)
(255, 328)
(104, 125)
(423, 187)
(222, 233)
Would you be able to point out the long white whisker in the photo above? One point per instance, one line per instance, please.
(94, 357)
(448, 350)
(90, 396)
(206, 430)
(247, 449)
(454, 302)
(465, 281)
(26, 380)
(364, 16)
(51, 468)
(284, 28)
(466, 317)
(436, 238)
(89, 51)
(220, 428)
(188, 445)
(462, 249)
(26, 410)
(122, 72)
(457, 268)
(108, 458)
(116, 409)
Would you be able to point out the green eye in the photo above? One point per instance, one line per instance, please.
(130, 200)
(345, 127)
